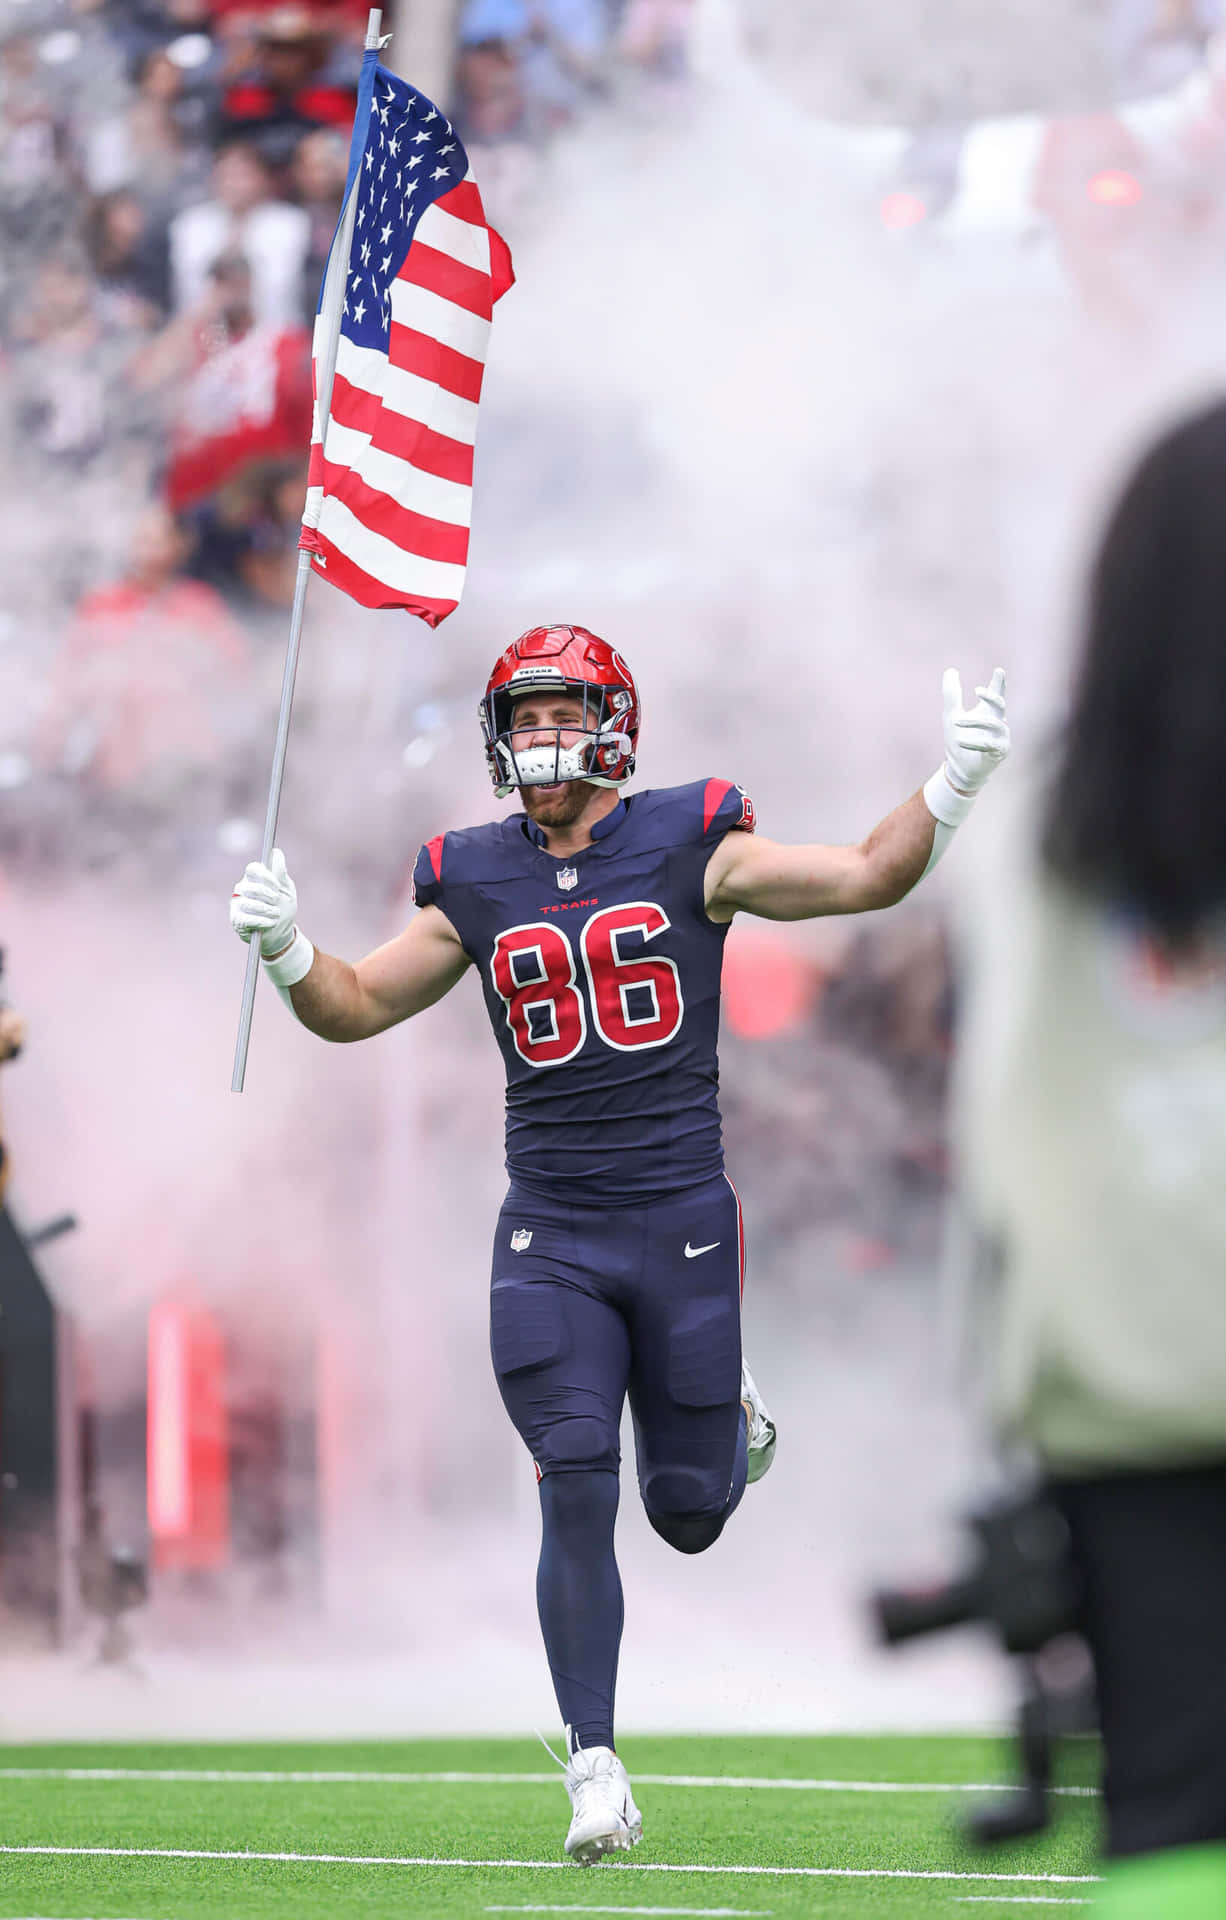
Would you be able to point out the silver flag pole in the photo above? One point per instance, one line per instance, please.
(330, 311)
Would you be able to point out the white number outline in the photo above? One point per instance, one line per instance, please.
(540, 930)
(657, 959)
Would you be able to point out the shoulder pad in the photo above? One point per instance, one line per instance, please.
(725, 808)
(428, 873)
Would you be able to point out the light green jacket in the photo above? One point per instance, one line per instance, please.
(1090, 1147)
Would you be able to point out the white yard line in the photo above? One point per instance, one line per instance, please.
(226, 1777)
(539, 1866)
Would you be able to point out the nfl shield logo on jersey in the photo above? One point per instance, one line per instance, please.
(567, 878)
(521, 1240)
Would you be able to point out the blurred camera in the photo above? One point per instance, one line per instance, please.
(1020, 1582)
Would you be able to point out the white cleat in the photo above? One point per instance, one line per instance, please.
(604, 1818)
(761, 1426)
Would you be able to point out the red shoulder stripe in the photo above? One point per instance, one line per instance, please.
(435, 850)
(713, 800)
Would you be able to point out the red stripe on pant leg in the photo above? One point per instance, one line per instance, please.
(740, 1234)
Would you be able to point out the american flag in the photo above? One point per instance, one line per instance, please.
(389, 493)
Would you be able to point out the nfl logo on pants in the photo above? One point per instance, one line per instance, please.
(520, 1239)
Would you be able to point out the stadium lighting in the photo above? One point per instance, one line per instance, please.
(903, 209)
(1114, 187)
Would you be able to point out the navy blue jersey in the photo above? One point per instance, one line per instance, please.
(601, 975)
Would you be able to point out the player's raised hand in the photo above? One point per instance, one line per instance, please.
(265, 901)
(976, 738)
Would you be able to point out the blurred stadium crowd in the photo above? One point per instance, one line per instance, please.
(170, 177)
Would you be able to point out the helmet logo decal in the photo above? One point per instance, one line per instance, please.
(567, 878)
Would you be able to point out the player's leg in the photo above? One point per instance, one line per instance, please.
(685, 1384)
(1151, 1552)
(561, 1357)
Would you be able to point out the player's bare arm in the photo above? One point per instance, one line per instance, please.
(335, 998)
(340, 1001)
(751, 875)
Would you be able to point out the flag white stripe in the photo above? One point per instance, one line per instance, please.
(392, 474)
(407, 393)
(407, 573)
(430, 313)
(468, 244)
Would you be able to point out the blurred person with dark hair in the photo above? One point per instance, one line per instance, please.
(69, 351)
(557, 46)
(246, 535)
(36, 186)
(244, 216)
(317, 179)
(1091, 1142)
(297, 77)
(12, 1039)
(130, 267)
(490, 104)
(158, 144)
(146, 664)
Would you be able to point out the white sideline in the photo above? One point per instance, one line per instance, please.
(332, 1779)
(545, 1866)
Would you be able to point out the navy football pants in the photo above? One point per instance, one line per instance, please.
(588, 1306)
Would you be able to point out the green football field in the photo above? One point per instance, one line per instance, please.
(757, 1826)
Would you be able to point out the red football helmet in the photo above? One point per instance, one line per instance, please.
(557, 659)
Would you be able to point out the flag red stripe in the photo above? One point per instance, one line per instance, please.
(371, 592)
(441, 273)
(419, 353)
(464, 201)
(379, 513)
(391, 432)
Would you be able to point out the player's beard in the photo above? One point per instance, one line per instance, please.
(559, 807)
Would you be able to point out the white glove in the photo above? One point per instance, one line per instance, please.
(265, 901)
(976, 738)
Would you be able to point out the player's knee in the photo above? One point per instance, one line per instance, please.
(688, 1532)
(684, 1509)
(576, 1443)
(580, 1501)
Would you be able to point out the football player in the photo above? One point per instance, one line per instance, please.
(596, 920)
